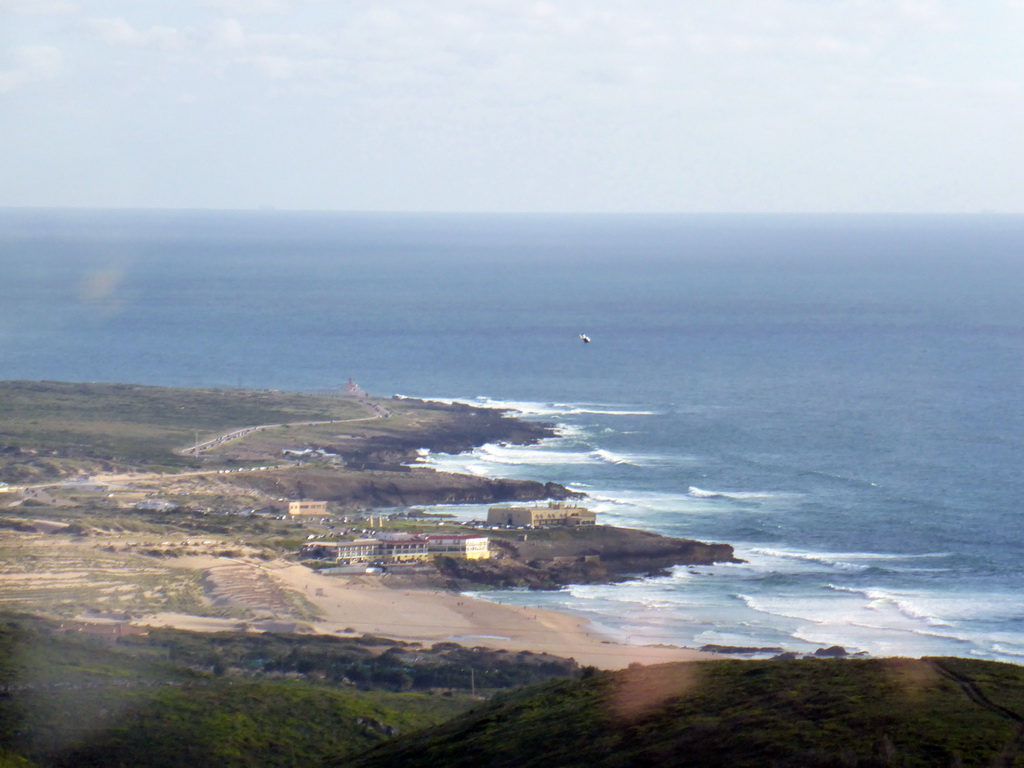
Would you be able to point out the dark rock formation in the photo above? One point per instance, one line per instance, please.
(741, 650)
(835, 652)
(377, 466)
(596, 555)
(460, 428)
(399, 488)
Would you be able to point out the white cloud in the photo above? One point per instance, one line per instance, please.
(927, 13)
(38, 7)
(917, 83)
(250, 6)
(275, 67)
(837, 46)
(231, 34)
(523, 89)
(118, 31)
(227, 33)
(1006, 89)
(30, 63)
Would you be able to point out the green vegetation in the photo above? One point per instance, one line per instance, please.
(805, 713)
(52, 429)
(90, 695)
(220, 723)
(173, 698)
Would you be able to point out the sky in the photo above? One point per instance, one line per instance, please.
(514, 105)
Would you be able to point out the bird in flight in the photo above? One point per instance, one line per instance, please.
(585, 338)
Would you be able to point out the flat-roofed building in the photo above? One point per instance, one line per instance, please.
(320, 550)
(404, 549)
(318, 508)
(460, 545)
(353, 551)
(359, 551)
(399, 548)
(554, 513)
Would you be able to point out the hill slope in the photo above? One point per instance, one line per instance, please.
(806, 713)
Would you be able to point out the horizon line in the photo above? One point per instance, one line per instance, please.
(418, 212)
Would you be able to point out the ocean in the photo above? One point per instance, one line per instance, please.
(838, 397)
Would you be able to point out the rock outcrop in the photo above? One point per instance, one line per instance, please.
(411, 487)
(597, 555)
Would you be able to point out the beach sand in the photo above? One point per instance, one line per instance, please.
(363, 604)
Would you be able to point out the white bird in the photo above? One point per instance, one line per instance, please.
(585, 338)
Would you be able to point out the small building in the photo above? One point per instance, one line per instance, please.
(354, 551)
(317, 508)
(555, 513)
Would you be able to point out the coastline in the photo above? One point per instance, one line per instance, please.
(272, 592)
(357, 605)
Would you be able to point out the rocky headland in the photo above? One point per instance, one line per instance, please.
(399, 486)
(377, 468)
(600, 554)
(358, 452)
(452, 428)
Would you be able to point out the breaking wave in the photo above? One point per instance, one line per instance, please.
(843, 561)
(531, 408)
(879, 600)
(700, 493)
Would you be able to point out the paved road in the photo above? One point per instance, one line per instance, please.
(113, 479)
(235, 434)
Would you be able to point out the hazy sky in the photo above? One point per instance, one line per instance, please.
(514, 105)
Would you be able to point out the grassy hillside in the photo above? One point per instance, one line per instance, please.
(173, 698)
(50, 430)
(55, 423)
(806, 714)
(250, 723)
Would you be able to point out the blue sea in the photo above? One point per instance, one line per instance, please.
(838, 397)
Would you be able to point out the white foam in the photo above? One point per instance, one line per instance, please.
(889, 622)
(777, 559)
(609, 412)
(880, 600)
(531, 408)
(492, 454)
(510, 454)
(613, 458)
(1007, 650)
(547, 453)
(523, 407)
(645, 509)
(699, 493)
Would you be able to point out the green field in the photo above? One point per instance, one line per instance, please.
(59, 427)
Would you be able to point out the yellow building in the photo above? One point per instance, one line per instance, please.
(555, 513)
(403, 549)
(399, 548)
(456, 545)
(354, 551)
(318, 508)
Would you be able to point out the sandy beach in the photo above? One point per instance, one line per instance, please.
(361, 604)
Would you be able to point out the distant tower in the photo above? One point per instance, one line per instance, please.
(353, 389)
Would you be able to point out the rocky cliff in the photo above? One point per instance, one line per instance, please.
(398, 488)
